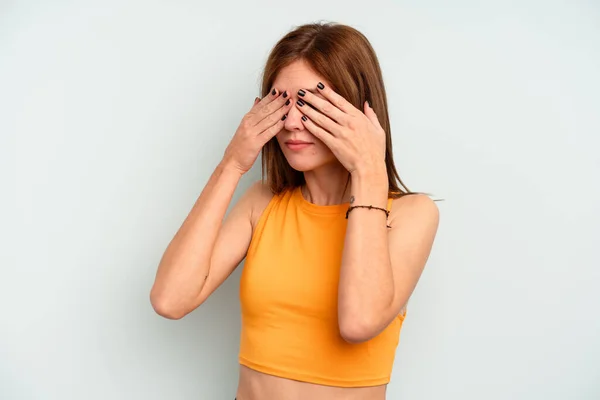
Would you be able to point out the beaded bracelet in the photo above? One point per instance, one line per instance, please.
(387, 213)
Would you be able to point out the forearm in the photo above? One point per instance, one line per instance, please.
(366, 286)
(184, 266)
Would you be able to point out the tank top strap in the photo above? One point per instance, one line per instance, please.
(389, 204)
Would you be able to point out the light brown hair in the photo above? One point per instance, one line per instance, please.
(344, 57)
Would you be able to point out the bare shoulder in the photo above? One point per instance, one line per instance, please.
(414, 209)
(258, 196)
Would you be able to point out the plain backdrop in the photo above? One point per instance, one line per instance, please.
(113, 114)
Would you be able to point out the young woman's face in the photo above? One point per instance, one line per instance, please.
(313, 153)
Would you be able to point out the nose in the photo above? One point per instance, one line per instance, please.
(293, 121)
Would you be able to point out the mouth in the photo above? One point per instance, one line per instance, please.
(297, 144)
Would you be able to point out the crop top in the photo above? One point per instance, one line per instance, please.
(289, 294)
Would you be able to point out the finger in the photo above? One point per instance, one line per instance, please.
(319, 132)
(271, 131)
(324, 106)
(252, 111)
(268, 98)
(271, 107)
(370, 113)
(273, 118)
(336, 99)
(258, 108)
(324, 121)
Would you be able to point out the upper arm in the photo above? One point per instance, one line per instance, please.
(414, 221)
(233, 238)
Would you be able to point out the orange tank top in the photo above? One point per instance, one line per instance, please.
(288, 294)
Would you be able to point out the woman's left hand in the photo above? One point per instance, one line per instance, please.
(355, 138)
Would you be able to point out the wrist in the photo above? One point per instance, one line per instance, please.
(369, 188)
(229, 168)
(374, 174)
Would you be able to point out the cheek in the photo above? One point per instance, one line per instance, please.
(322, 149)
(280, 141)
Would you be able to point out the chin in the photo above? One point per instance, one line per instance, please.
(302, 164)
(306, 163)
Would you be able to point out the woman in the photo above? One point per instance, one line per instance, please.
(334, 244)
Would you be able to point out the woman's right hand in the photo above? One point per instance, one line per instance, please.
(264, 120)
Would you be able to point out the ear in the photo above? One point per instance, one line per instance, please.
(371, 115)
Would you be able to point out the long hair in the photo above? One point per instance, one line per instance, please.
(343, 56)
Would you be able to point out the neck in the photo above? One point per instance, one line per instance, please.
(329, 185)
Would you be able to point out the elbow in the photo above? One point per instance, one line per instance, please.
(164, 308)
(357, 330)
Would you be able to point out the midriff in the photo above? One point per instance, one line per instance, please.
(254, 385)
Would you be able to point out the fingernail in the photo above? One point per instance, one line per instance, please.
(285, 94)
(284, 117)
(320, 86)
(300, 102)
(273, 91)
(301, 92)
(304, 118)
(287, 102)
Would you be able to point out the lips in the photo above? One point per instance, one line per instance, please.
(297, 142)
